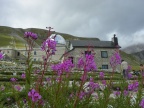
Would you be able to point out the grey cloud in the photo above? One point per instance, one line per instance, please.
(89, 18)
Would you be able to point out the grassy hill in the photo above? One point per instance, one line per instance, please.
(7, 34)
(132, 61)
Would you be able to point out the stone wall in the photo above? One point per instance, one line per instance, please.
(37, 53)
(98, 59)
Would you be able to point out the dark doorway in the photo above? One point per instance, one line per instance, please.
(18, 53)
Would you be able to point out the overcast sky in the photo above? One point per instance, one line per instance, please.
(83, 18)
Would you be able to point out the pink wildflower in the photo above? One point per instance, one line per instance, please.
(93, 85)
(117, 93)
(66, 66)
(35, 96)
(125, 92)
(13, 79)
(115, 59)
(133, 86)
(1, 55)
(31, 35)
(17, 87)
(142, 103)
(87, 63)
(82, 94)
(104, 82)
(49, 45)
(101, 75)
(23, 76)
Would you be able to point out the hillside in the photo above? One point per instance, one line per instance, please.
(139, 56)
(8, 35)
(137, 50)
(134, 48)
(132, 60)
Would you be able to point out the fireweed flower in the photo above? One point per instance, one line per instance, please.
(129, 75)
(93, 85)
(31, 35)
(49, 45)
(133, 87)
(82, 94)
(101, 75)
(104, 82)
(115, 59)
(1, 55)
(142, 103)
(23, 76)
(125, 92)
(49, 81)
(35, 96)
(66, 66)
(17, 87)
(24, 101)
(117, 93)
(87, 63)
(13, 79)
(41, 102)
(71, 95)
(81, 62)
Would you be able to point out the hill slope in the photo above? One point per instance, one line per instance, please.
(134, 48)
(139, 56)
(132, 60)
(8, 34)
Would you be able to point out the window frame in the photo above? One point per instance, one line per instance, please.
(88, 52)
(104, 65)
(35, 53)
(102, 54)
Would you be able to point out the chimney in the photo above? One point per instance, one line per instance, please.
(115, 40)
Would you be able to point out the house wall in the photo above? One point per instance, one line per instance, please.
(60, 50)
(37, 53)
(8, 51)
(98, 59)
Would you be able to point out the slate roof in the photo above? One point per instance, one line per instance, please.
(93, 43)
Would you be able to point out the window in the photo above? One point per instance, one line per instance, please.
(104, 66)
(71, 59)
(34, 52)
(87, 52)
(104, 54)
(18, 53)
(34, 59)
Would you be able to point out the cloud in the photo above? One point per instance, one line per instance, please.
(84, 18)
